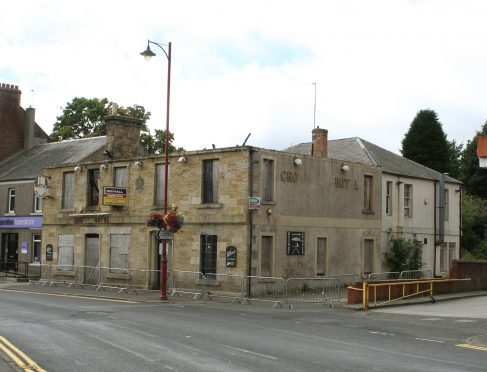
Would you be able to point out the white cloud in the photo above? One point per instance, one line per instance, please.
(241, 67)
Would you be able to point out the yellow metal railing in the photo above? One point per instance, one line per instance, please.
(415, 285)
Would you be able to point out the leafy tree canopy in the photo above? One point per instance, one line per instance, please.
(85, 117)
(405, 254)
(473, 177)
(474, 227)
(426, 143)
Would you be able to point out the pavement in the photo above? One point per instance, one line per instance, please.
(154, 296)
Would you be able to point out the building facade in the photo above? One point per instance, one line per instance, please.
(247, 211)
(418, 203)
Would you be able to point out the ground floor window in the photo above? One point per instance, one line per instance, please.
(36, 247)
(368, 256)
(208, 257)
(65, 259)
(119, 251)
(321, 259)
(266, 256)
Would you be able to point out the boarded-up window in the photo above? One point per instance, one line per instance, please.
(65, 258)
(268, 180)
(368, 256)
(208, 254)
(408, 200)
(210, 181)
(119, 250)
(120, 176)
(389, 198)
(321, 259)
(68, 190)
(444, 257)
(451, 254)
(266, 256)
(159, 184)
(93, 192)
(368, 189)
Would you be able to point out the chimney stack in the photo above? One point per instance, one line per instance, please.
(123, 136)
(29, 127)
(319, 147)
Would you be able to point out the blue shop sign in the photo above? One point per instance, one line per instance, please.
(30, 222)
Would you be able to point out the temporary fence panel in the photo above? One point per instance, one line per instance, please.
(63, 274)
(87, 275)
(343, 281)
(114, 278)
(223, 285)
(42, 274)
(415, 274)
(312, 290)
(262, 288)
(189, 282)
(383, 276)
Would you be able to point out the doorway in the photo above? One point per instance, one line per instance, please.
(92, 259)
(10, 250)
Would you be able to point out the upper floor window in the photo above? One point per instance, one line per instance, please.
(93, 191)
(268, 180)
(447, 202)
(159, 185)
(368, 192)
(68, 190)
(37, 203)
(408, 200)
(11, 201)
(210, 181)
(389, 198)
(120, 176)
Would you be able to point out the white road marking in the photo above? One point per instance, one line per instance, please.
(432, 319)
(249, 352)
(427, 339)
(382, 333)
(465, 321)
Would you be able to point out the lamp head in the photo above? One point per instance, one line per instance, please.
(147, 53)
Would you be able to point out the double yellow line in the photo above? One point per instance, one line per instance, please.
(470, 346)
(22, 360)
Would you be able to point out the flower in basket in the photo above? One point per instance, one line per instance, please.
(155, 220)
(174, 220)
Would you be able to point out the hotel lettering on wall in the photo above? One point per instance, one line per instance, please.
(342, 183)
(289, 176)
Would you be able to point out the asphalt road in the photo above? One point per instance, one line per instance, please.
(79, 334)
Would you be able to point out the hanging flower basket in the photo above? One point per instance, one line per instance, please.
(174, 220)
(155, 220)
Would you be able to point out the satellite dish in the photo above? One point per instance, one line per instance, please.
(40, 186)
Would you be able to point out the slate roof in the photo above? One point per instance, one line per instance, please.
(28, 164)
(358, 150)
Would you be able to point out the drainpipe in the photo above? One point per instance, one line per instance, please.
(434, 231)
(460, 226)
(250, 217)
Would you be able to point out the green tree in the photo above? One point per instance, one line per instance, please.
(473, 177)
(474, 227)
(426, 143)
(405, 254)
(85, 117)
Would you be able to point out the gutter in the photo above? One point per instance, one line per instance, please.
(250, 217)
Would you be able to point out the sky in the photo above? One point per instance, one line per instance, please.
(274, 69)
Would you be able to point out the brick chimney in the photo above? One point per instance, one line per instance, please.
(319, 146)
(11, 121)
(122, 136)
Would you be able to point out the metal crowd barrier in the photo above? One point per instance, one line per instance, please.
(261, 288)
(187, 282)
(44, 274)
(146, 280)
(312, 290)
(223, 285)
(343, 282)
(113, 278)
(415, 274)
(383, 276)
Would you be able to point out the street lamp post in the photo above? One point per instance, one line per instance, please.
(148, 54)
